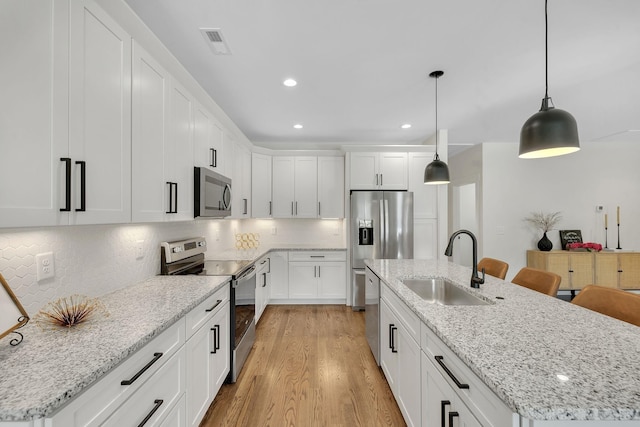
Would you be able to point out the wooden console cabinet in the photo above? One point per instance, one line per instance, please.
(578, 269)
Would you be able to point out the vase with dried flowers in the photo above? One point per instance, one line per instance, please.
(544, 222)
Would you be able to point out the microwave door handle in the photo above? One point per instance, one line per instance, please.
(226, 196)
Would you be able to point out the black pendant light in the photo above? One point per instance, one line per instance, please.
(436, 172)
(549, 132)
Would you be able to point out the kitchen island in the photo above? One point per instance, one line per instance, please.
(547, 360)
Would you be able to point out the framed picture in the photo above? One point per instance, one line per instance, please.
(570, 236)
(12, 314)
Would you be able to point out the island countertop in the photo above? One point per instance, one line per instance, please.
(523, 341)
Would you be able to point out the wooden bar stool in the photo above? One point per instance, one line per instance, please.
(615, 303)
(494, 267)
(542, 281)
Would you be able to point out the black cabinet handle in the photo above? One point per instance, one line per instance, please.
(175, 210)
(170, 184)
(173, 197)
(291, 208)
(443, 410)
(393, 339)
(67, 184)
(157, 403)
(391, 336)
(270, 209)
(296, 208)
(214, 158)
(83, 182)
(440, 361)
(451, 415)
(319, 271)
(377, 179)
(214, 306)
(381, 180)
(216, 338)
(264, 280)
(156, 357)
(246, 206)
(318, 208)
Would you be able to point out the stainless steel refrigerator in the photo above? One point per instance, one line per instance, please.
(381, 228)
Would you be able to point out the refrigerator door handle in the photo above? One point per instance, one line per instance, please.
(383, 236)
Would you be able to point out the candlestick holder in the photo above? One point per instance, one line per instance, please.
(605, 238)
(618, 237)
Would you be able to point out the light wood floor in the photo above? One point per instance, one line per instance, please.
(310, 366)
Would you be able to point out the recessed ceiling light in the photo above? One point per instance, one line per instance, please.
(289, 82)
(297, 126)
(405, 126)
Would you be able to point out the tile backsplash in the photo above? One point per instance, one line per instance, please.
(95, 260)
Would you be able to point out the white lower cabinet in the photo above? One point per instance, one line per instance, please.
(400, 358)
(317, 275)
(263, 288)
(279, 276)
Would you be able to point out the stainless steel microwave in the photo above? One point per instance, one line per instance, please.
(212, 194)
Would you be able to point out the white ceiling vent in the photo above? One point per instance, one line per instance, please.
(216, 41)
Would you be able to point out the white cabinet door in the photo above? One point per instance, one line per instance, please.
(426, 247)
(207, 140)
(425, 197)
(306, 187)
(408, 381)
(177, 417)
(99, 115)
(260, 185)
(221, 354)
(149, 135)
(279, 275)
(331, 187)
(393, 171)
(388, 351)
(262, 286)
(33, 122)
(179, 155)
(241, 185)
(303, 280)
(332, 279)
(364, 171)
(283, 187)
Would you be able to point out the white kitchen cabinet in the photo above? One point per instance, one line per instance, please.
(179, 154)
(150, 105)
(295, 187)
(241, 183)
(317, 275)
(208, 353)
(400, 356)
(330, 187)
(279, 275)
(99, 116)
(260, 185)
(177, 416)
(378, 171)
(33, 123)
(425, 197)
(263, 288)
(207, 140)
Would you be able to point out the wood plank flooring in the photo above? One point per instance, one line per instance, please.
(310, 366)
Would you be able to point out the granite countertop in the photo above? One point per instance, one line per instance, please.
(520, 344)
(49, 368)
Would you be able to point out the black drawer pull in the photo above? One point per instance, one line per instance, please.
(440, 361)
(451, 415)
(443, 410)
(156, 356)
(83, 185)
(393, 341)
(214, 157)
(67, 184)
(216, 338)
(214, 306)
(316, 256)
(157, 403)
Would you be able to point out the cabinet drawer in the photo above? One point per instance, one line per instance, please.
(409, 319)
(318, 256)
(485, 405)
(155, 399)
(203, 312)
(99, 401)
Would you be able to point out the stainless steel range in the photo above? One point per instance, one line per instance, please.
(187, 257)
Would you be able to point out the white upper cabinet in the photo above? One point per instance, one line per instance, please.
(179, 155)
(99, 116)
(150, 95)
(295, 187)
(33, 123)
(241, 182)
(378, 171)
(208, 141)
(260, 185)
(331, 187)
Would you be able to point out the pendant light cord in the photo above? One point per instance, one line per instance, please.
(436, 156)
(546, 52)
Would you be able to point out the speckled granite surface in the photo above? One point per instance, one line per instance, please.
(519, 345)
(50, 367)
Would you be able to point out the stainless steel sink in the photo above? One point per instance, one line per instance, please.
(441, 291)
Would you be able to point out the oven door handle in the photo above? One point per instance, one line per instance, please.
(248, 274)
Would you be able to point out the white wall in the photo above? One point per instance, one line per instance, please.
(95, 260)
(599, 174)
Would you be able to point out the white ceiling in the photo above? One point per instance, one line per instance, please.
(362, 66)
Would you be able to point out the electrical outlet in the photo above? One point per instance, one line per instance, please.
(139, 249)
(274, 231)
(44, 266)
